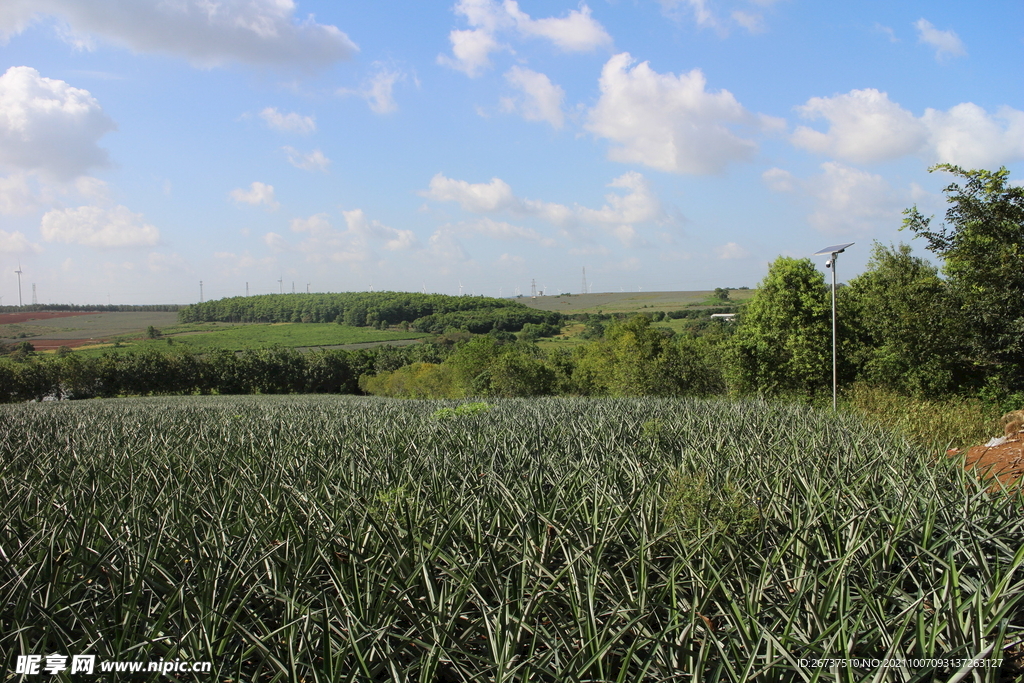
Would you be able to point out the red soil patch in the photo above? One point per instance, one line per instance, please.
(1004, 462)
(11, 318)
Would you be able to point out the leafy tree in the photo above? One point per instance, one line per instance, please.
(722, 293)
(981, 243)
(783, 344)
(911, 336)
(633, 359)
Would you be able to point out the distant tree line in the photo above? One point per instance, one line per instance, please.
(106, 308)
(152, 372)
(432, 313)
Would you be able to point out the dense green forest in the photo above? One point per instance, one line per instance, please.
(114, 308)
(423, 312)
(905, 325)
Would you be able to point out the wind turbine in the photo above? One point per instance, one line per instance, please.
(460, 287)
(280, 282)
(18, 271)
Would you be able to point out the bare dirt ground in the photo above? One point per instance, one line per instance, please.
(12, 318)
(1004, 462)
(81, 325)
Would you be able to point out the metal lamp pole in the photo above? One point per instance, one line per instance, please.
(834, 251)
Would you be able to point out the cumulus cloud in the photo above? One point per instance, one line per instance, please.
(362, 228)
(313, 161)
(852, 202)
(702, 14)
(968, 136)
(289, 123)
(16, 243)
(324, 242)
(540, 99)
(472, 51)
(378, 91)
(638, 204)
(475, 197)
(16, 196)
(47, 126)
(731, 251)
(95, 226)
(865, 126)
(845, 200)
(578, 31)
(779, 180)
(753, 22)
(258, 194)
(668, 122)
(206, 33)
(946, 43)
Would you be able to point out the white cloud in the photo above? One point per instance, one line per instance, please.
(313, 161)
(541, 100)
(852, 202)
(289, 123)
(753, 22)
(667, 122)
(731, 251)
(946, 43)
(638, 204)
(472, 50)
(363, 229)
(95, 226)
(207, 33)
(779, 180)
(578, 31)
(865, 126)
(276, 242)
(48, 126)
(968, 136)
(475, 197)
(701, 13)
(16, 243)
(92, 189)
(257, 194)
(379, 90)
(355, 243)
(16, 197)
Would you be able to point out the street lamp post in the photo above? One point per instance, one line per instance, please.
(835, 250)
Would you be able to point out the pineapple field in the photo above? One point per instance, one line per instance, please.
(327, 538)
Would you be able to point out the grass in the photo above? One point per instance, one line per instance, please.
(345, 539)
(632, 302)
(237, 337)
(934, 425)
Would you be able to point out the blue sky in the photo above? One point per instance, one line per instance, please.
(146, 146)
